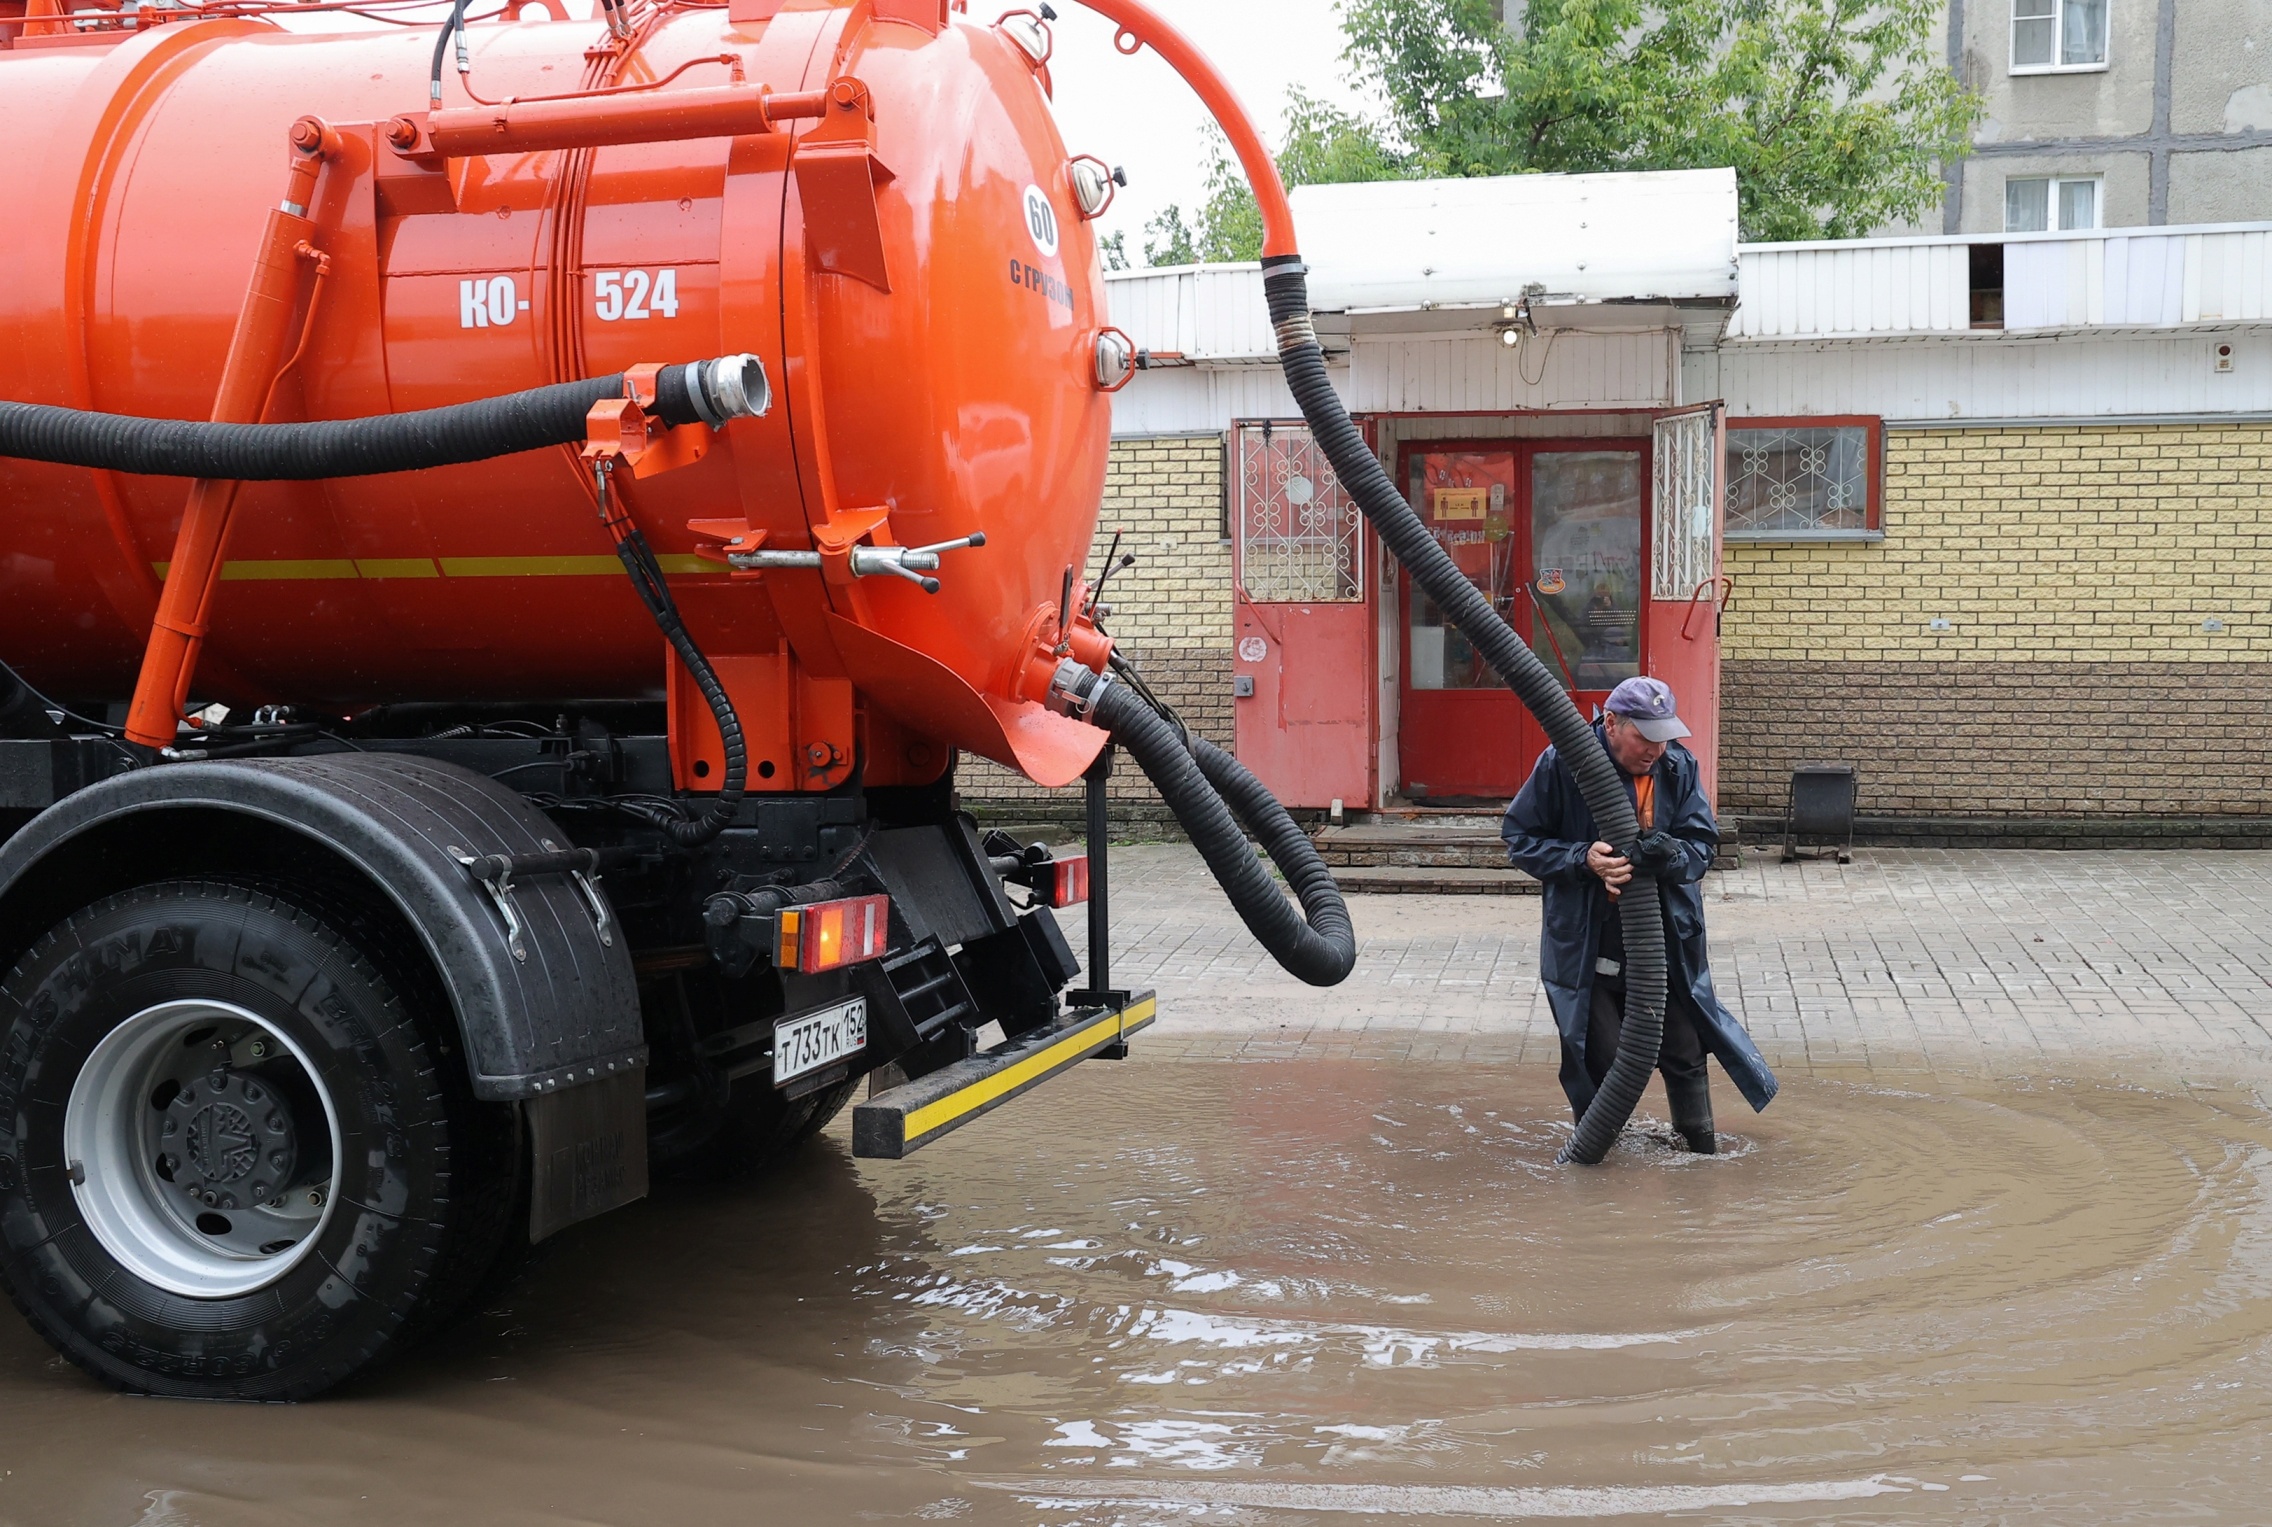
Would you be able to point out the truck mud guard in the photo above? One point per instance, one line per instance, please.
(541, 987)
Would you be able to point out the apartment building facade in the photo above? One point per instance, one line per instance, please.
(2112, 114)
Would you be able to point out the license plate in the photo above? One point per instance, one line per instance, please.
(804, 1045)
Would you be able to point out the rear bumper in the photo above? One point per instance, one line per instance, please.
(895, 1124)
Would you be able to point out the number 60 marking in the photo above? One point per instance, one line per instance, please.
(629, 294)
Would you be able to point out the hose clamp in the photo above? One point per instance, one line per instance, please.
(1075, 689)
(1294, 332)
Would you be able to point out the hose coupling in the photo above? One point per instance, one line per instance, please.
(1074, 690)
(730, 387)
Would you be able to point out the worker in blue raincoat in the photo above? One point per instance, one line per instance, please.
(1551, 835)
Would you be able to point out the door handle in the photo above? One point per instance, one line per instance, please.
(1548, 627)
(1724, 585)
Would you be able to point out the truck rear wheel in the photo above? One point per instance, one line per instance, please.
(758, 1129)
(702, 1121)
(234, 1161)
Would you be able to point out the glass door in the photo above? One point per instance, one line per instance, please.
(1585, 573)
(1552, 534)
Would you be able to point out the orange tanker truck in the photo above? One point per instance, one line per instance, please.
(510, 523)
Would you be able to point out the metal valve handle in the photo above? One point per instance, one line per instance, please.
(909, 562)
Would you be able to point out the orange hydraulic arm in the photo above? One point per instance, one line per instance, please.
(1139, 25)
(604, 118)
(286, 263)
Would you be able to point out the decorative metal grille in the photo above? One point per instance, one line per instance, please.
(1300, 539)
(1681, 553)
(1785, 479)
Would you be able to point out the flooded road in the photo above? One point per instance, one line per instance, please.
(1316, 1291)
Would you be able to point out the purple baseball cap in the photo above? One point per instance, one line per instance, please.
(1647, 703)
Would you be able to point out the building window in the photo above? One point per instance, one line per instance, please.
(1300, 537)
(2051, 35)
(2041, 203)
(1803, 478)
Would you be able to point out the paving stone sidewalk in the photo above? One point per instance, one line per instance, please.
(1979, 962)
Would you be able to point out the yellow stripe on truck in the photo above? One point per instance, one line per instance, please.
(371, 569)
(976, 1096)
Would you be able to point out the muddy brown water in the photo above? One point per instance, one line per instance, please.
(1312, 1291)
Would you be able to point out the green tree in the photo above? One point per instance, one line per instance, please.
(1168, 240)
(1834, 114)
(1323, 145)
(1114, 248)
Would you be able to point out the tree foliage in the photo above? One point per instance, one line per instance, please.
(1834, 114)
(1323, 145)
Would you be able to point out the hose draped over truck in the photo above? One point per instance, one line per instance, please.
(1640, 908)
(407, 442)
(1211, 794)
(1285, 280)
(702, 392)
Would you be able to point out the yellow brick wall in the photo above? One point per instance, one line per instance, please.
(2052, 544)
(1171, 611)
(2075, 567)
(1164, 494)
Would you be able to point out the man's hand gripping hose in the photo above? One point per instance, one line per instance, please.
(1285, 280)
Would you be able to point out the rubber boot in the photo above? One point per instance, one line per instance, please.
(1691, 1101)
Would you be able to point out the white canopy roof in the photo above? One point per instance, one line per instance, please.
(1402, 245)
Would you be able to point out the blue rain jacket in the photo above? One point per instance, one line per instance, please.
(1548, 830)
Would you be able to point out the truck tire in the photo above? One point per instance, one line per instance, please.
(702, 1123)
(235, 1162)
(760, 1129)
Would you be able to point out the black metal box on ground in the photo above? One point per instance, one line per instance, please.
(1821, 810)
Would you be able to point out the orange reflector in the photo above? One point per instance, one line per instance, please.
(1069, 881)
(825, 935)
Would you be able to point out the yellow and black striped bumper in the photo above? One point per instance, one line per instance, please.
(895, 1124)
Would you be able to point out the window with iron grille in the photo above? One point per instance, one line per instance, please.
(1803, 477)
(1300, 538)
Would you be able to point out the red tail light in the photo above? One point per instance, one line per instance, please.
(826, 935)
(1069, 881)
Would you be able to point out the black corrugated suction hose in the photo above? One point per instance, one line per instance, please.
(1285, 279)
(1204, 787)
(709, 391)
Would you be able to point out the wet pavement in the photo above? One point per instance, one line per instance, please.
(1329, 1273)
(2152, 965)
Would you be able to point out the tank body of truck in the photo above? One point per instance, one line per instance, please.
(451, 898)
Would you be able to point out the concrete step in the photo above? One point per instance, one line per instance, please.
(1412, 880)
(1445, 818)
(1412, 845)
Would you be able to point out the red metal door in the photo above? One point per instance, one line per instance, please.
(1555, 533)
(1459, 731)
(1686, 585)
(1303, 636)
